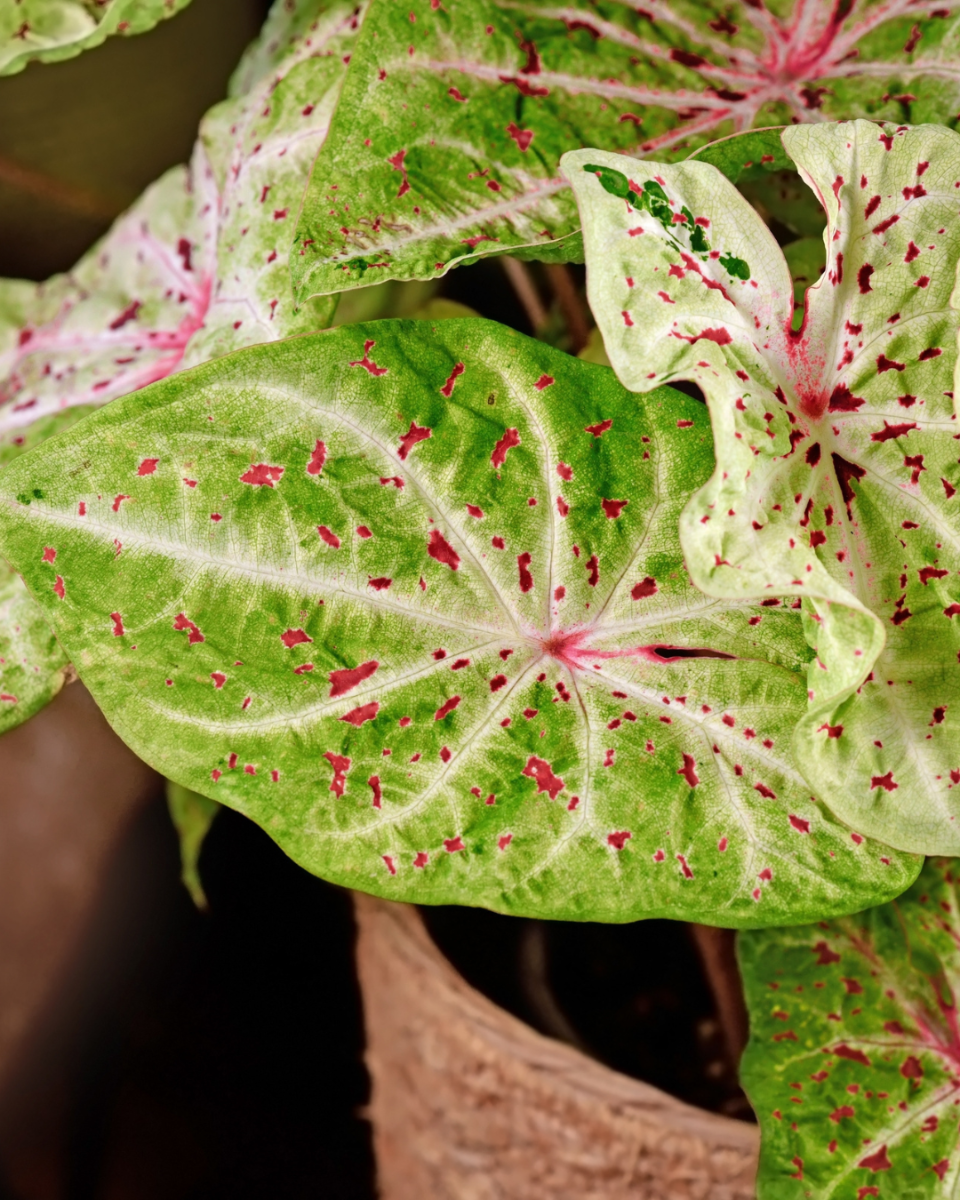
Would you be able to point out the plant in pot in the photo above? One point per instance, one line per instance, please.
(460, 618)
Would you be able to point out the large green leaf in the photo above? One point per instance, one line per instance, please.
(853, 1064)
(51, 30)
(447, 139)
(837, 471)
(412, 598)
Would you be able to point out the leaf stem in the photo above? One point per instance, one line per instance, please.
(716, 948)
(522, 283)
(570, 304)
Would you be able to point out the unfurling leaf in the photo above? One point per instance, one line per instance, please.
(192, 815)
(446, 142)
(837, 475)
(853, 1065)
(410, 595)
(52, 30)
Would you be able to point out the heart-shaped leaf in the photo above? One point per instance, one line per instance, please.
(853, 1064)
(447, 139)
(412, 598)
(837, 471)
(52, 30)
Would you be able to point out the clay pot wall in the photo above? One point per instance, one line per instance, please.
(469, 1103)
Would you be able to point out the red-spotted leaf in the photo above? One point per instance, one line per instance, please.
(853, 1064)
(412, 598)
(447, 139)
(52, 30)
(837, 473)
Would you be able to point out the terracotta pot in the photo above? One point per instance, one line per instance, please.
(469, 1103)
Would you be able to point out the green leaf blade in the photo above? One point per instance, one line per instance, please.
(447, 140)
(853, 1058)
(417, 617)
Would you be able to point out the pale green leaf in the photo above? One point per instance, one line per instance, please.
(192, 815)
(52, 30)
(447, 139)
(420, 611)
(853, 1059)
(837, 475)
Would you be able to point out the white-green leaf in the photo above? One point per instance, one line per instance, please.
(411, 596)
(52, 30)
(837, 476)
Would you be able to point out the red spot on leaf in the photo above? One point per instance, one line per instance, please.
(613, 508)
(347, 678)
(884, 781)
(878, 1161)
(688, 770)
(366, 712)
(593, 570)
(799, 824)
(148, 466)
(440, 549)
(619, 840)
(446, 708)
(845, 1051)
(541, 772)
(510, 439)
(341, 765)
(193, 635)
(523, 137)
(327, 536)
(295, 637)
(262, 475)
(447, 389)
(523, 565)
(416, 433)
(317, 459)
(544, 382)
(863, 278)
(599, 429)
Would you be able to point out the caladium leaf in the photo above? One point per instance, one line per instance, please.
(261, 144)
(410, 595)
(121, 318)
(454, 116)
(837, 472)
(192, 815)
(853, 1064)
(52, 30)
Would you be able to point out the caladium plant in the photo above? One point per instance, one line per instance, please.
(454, 116)
(458, 618)
(52, 30)
(836, 473)
(412, 598)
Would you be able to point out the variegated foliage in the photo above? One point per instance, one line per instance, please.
(196, 268)
(853, 1064)
(51, 30)
(837, 474)
(411, 596)
(454, 116)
